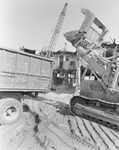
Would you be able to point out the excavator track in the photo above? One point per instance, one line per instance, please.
(96, 110)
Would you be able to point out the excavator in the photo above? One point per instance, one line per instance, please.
(98, 100)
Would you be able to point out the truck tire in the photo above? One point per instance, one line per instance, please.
(11, 111)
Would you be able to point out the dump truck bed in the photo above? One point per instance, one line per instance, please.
(20, 71)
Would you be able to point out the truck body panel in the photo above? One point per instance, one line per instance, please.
(20, 71)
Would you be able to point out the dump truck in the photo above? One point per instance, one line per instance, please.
(21, 74)
(98, 100)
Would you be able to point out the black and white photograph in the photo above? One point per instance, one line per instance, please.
(59, 75)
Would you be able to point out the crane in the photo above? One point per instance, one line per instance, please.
(49, 49)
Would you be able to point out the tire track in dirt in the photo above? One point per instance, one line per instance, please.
(14, 143)
(114, 134)
(55, 117)
(64, 123)
(76, 119)
(69, 138)
(74, 137)
(20, 140)
(90, 134)
(108, 137)
(85, 136)
(101, 137)
(40, 141)
(73, 127)
(72, 130)
(10, 133)
(79, 129)
(84, 131)
(23, 145)
(59, 120)
(94, 134)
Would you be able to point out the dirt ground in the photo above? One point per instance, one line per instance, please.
(47, 124)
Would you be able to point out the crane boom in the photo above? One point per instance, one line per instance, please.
(56, 32)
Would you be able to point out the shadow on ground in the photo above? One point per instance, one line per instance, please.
(61, 108)
(60, 89)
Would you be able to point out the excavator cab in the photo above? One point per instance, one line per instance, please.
(90, 24)
(88, 30)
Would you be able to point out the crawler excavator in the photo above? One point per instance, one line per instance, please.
(98, 100)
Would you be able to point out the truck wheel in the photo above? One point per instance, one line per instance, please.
(11, 111)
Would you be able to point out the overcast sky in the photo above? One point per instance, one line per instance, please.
(29, 23)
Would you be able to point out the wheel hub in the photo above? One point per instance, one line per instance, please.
(10, 113)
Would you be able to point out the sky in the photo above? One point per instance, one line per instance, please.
(30, 23)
